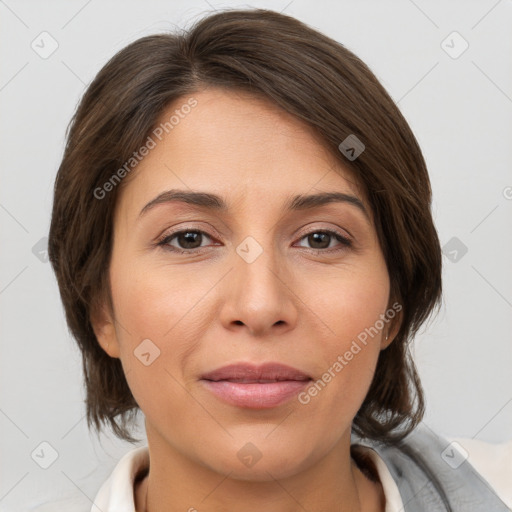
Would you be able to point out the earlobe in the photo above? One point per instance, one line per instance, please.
(391, 330)
(104, 329)
(387, 339)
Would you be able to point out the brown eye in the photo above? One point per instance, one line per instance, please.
(321, 240)
(188, 240)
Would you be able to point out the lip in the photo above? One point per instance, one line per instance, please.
(255, 386)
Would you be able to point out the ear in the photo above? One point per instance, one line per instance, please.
(393, 325)
(103, 325)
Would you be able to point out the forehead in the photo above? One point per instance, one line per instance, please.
(237, 146)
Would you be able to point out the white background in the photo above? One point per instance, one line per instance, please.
(460, 109)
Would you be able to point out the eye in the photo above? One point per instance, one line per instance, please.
(320, 240)
(188, 240)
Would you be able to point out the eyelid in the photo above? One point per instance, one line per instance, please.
(339, 231)
(187, 227)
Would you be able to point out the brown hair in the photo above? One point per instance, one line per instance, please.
(310, 76)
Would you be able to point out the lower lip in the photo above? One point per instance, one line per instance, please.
(256, 395)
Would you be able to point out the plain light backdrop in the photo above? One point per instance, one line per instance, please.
(447, 65)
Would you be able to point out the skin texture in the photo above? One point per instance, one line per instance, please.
(209, 308)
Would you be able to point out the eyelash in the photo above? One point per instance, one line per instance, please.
(164, 241)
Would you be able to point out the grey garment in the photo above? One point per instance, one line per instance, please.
(432, 476)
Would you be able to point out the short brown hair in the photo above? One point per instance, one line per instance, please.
(308, 75)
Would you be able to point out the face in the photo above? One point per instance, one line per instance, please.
(260, 280)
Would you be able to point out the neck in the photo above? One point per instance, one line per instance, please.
(177, 483)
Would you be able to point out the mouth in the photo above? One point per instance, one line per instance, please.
(254, 381)
(255, 387)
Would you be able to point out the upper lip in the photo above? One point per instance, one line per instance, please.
(255, 373)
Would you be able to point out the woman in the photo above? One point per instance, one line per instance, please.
(244, 247)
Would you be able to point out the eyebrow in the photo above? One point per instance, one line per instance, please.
(217, 203)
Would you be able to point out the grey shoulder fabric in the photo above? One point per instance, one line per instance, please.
(433, 477)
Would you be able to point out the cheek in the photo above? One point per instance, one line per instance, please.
(150, 309)
(350, 300)
(154, 303)
(351, 312)
(161, 318)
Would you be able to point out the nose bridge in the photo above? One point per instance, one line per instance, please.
(257, 295)
(257, 265)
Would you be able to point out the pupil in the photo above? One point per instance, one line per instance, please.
(189, 238)
(317, 238)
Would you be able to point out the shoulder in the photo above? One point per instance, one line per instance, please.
(492, 461)
(118, 489)
(460, 474)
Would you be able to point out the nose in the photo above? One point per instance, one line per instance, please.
(258, 293)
